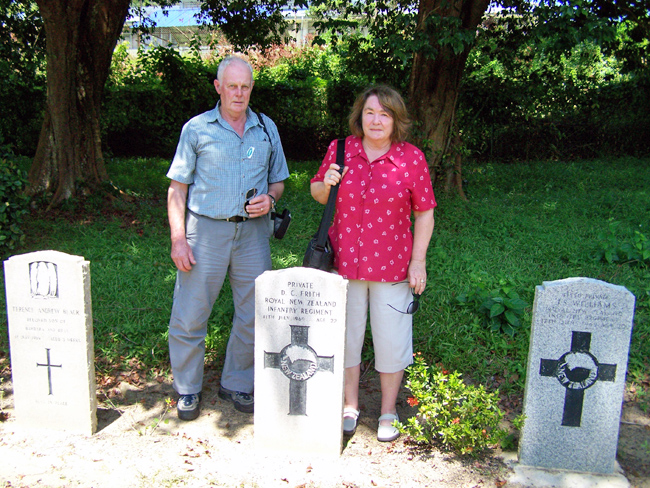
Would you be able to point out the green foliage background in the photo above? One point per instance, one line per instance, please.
(13, 205)
(521, 104)
(531, 105)
(22, 90)
(543, 80)
(520, 99)
(148, 99)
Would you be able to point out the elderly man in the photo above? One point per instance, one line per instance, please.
(226, 176)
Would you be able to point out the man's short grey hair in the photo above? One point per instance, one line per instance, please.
(225, 62)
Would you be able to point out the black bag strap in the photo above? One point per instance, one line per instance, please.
(328, 213)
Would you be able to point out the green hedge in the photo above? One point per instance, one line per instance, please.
(147, 101)
(22, 100)
(145, 119)
(13, 205)
(533, 113)
(309, 113)
(502, 119)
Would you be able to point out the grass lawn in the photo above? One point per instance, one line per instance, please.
(524, 223)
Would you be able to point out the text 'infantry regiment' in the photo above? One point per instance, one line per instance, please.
(299, 344)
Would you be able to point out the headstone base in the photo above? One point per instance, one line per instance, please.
(532, 477)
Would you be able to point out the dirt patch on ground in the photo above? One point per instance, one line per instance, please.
(634, 444)
(141, 443)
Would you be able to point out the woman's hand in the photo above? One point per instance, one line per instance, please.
(332, 176)
(320, 190)
(417, 275)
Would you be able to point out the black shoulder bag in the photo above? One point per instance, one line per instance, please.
(319, 254)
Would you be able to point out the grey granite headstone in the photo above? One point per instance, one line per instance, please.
(577, 363)
(299, 373)
(51, 341)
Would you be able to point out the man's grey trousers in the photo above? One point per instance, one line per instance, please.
(242, 251)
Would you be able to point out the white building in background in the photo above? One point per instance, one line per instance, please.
(177, 26)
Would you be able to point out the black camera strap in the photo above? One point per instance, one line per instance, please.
(259, 117)
(285, 217)
(328, 213)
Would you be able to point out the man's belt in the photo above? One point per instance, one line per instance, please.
(236, 218)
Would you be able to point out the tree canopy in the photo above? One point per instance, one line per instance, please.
(420, 46)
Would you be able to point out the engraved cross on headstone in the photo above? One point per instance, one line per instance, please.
(298, 362)
(49, 370)
(576, 371)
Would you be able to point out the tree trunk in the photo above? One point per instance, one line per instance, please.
(81, 36)
(435, 85)
(454, 176)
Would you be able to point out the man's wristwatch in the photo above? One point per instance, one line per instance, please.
(272, 202)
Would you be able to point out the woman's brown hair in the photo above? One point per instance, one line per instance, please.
(392, 102)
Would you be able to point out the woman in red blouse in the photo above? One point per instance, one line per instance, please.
(377, 246)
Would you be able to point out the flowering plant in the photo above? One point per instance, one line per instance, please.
(457, 416)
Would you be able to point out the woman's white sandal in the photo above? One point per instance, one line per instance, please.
(350, 417)
(387, 433)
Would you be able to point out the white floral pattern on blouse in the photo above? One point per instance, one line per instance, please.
(371, 233)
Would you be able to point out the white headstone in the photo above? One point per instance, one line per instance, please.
(51, 341)
(299, 373)
(577, 363)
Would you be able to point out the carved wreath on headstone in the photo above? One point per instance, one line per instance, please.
(299, 362)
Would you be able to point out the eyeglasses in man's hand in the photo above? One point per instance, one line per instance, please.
(249, 195)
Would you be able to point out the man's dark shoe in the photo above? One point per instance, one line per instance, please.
(243, 402)
(188, 406)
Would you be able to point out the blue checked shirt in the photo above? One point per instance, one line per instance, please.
(220, 167)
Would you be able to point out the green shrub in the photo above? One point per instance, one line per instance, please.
(13, 205)
(633, 250)
(578, 105)
(22, 71)
(457, 416)
(539, 108)
(148, 99)
(297, 106)
(500, 306)
(22, 98)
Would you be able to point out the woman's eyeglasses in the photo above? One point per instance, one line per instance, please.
(413, 306)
